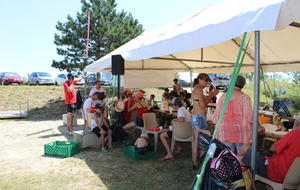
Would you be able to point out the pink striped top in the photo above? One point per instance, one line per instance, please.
(237, 121)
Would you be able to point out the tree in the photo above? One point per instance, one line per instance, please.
(295, 77)
(108, 31)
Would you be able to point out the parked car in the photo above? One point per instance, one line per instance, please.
(221, 81)
(184, 83)
(61, 78)
(7, 78)
(38, 78)
(92, 78)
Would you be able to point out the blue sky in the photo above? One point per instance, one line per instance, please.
(28, 27)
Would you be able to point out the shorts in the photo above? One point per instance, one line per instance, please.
(170, 134)
(139, 122)
(260, 160)
(199, 121)
(71, 108)
(96, 130)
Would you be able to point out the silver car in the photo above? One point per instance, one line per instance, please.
(61, 78)
(221, 81)
(38, 78)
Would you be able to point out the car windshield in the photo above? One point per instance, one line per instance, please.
(11, 74)
(44, 75)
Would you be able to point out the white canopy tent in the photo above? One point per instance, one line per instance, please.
(208, 40)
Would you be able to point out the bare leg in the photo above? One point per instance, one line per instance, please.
(70, 121)
(128, 128)
(164, 139)
(110, 138)
(195, 152)
(102, 133)
(178, 148)
(243, 151)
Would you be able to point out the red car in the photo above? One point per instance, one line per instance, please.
(7, 78)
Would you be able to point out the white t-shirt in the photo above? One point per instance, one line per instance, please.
(93, 90)
(182, 112)
(87, 104)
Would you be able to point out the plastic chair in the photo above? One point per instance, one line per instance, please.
(89, 120)
(182, 131)
(291, 180)
(150, 122)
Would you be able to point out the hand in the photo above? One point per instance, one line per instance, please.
(261, 129)
(84, 77)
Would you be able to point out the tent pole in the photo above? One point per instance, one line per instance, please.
(256, 98)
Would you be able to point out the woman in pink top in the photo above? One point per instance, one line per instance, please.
(236, 126)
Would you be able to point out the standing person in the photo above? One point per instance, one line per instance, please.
(97, 88)
(236, 126)
(141, 107)
(70, 99)
(176, 86)
(198, 119)
(100, 127)
(182, 116)
(212, 88)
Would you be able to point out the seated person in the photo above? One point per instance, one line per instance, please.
(182, 116)
(100, 100)
(142, 141)
(152, 97)
(284, 152)
(100, 127)
(128, 104)
(141, 107)
(88, 102)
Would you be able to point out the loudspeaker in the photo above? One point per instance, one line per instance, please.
(117, 65)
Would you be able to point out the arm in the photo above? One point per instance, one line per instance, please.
(133, 107)
(105, 123)
(97, 121)
(79, 79)
(273, 149)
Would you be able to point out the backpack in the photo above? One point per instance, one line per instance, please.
(79, 101)
(223, 171)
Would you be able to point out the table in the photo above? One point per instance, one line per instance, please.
(267, 113)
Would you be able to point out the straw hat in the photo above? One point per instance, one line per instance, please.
(119, 106)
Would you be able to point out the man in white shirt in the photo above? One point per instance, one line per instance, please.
(97, 88)
(182, 116)
(88, 102)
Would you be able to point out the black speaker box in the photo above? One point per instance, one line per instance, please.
(117, 65)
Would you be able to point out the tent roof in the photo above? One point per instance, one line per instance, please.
(208, 40)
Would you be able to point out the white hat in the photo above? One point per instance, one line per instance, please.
(119, 106)
(145, 135)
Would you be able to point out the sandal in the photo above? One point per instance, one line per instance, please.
(103, 149)
(111, 149)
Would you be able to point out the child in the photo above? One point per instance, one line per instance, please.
(142, 141)
(101, 128)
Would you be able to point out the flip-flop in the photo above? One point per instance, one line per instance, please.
(167, 159)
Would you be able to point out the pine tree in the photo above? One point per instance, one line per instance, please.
(109, 30)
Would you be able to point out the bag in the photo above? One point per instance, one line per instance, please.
(79, 101)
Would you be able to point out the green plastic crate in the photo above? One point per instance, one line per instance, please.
(130, 151)
(62, 148)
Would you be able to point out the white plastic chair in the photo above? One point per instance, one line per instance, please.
(182, 131)
(150, 122)
(291, 180)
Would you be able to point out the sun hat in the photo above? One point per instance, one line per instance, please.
(99, 106)
(145, 135)
(119, 106)
(139, 94)
(175, 102)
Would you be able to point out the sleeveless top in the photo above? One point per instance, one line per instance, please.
(94, 124)
(141, 111)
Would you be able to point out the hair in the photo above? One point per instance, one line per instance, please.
(240, 82)
(173, 93)
(200, 76)
(167, 95)
(97, 81)
(101, 96)
(188, 96)
(297, 118)
(166, 89)
(175, 80)
(152, 95)
(181, 94)
(96, 93)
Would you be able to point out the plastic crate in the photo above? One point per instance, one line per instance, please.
(130, 151)
(62, 148)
